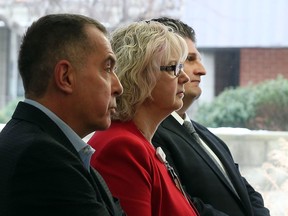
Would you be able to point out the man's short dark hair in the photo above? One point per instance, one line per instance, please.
(49, 39)
(178, 26)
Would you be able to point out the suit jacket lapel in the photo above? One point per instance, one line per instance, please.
(227, 161)
(31, 114)
(111, 203)
(172, 125)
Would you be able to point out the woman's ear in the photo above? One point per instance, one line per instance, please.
(64, 76)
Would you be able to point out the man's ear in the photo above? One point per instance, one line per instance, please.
(64, 76)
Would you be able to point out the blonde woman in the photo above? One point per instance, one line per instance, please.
(149, 65)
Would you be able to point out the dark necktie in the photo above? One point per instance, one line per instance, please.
(190, 128)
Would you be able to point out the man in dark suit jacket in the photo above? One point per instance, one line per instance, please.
(205, 167)
(66, 63)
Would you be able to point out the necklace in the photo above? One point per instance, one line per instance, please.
(162, 157)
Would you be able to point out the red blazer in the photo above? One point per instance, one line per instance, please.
(134, 174)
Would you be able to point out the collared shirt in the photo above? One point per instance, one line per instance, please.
(85, 151)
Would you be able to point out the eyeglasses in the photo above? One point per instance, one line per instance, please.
(175, 68)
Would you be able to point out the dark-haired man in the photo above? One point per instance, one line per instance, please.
(66, 64)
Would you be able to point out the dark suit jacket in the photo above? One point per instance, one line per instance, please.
(41, 173)
(200, 176)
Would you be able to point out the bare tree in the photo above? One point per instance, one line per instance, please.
(110, 12)
(17, 15)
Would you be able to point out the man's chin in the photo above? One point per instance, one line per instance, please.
(192, 95)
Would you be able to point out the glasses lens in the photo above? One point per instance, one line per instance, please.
(178, 69)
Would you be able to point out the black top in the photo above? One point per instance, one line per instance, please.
(42, 173)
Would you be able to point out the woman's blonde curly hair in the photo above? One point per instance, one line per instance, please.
(141, 48)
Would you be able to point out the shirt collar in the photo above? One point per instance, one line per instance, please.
(76, 141)
(179, 119)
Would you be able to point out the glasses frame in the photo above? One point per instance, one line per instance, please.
(177, 68)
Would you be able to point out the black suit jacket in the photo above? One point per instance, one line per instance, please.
(41, 173)
(204, 182)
